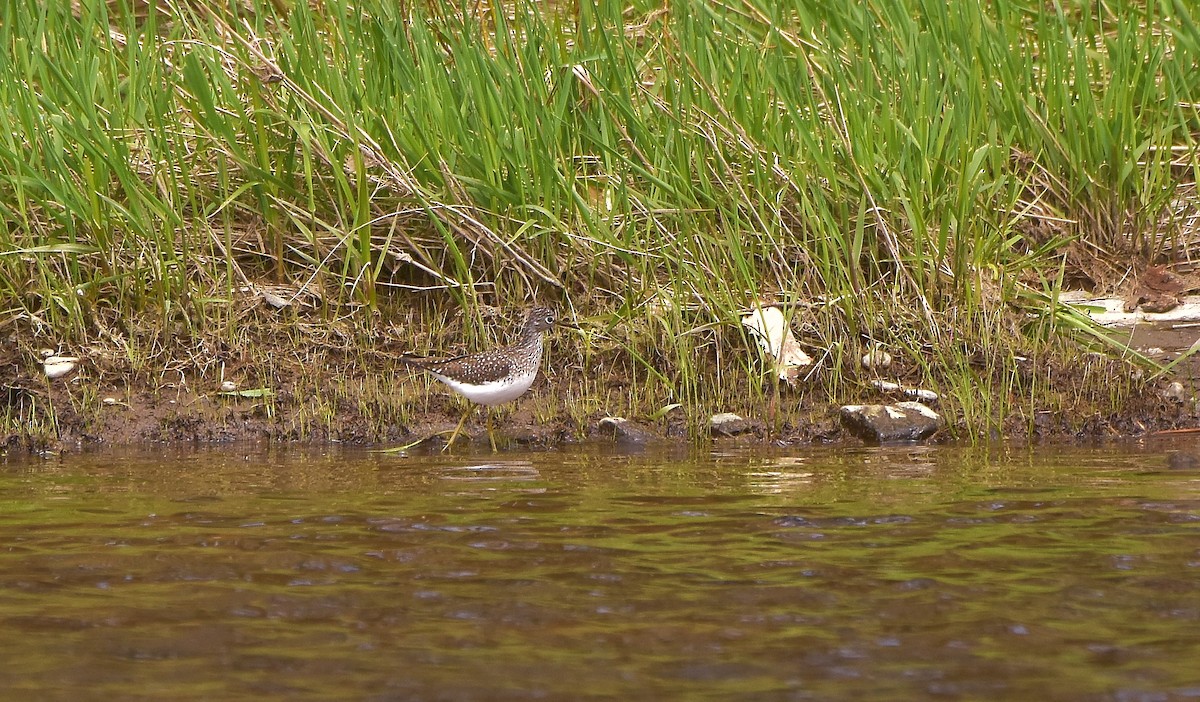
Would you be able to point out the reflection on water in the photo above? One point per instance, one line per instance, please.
(894, 573)
(496, 471)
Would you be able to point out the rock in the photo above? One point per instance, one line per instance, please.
(1182, 460)
(904, 421)
(877, 358)
(728, 424)
(1175, 392)
(625, 430)
(532, 435)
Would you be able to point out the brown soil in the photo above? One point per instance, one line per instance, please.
(324, 388)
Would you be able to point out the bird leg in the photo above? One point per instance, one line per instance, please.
(491, 436)
(458, 428)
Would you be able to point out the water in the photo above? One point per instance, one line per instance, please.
(861, 574)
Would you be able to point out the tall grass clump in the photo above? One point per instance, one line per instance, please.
(917, 173)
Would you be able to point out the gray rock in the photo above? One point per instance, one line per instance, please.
(1182, 460)
(904, 421)
(728, 424)
(626, 431)
(1175, 392)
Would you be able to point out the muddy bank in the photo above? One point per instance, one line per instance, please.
(299, 382)
(58, 418)
(59, 422)
(390, 407)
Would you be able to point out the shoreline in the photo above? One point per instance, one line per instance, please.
(288, 380)
(61, 417)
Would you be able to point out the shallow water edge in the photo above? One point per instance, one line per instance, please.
(874, 573)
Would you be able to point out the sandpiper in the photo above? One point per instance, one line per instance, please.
(494, 376)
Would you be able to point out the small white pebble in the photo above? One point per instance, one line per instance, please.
(228, 386)
(1175, 392)
(877, 358)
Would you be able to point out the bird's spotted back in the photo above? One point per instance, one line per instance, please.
(492, 365)
(517, 363)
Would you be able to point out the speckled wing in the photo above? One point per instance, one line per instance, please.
(486, 367)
